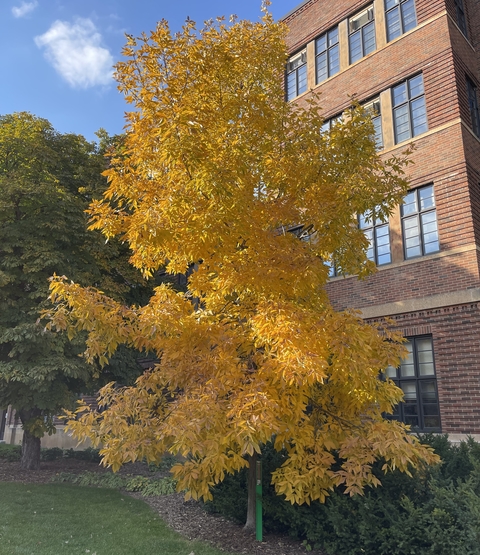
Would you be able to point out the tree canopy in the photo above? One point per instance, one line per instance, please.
(219, 170)
(47, 180)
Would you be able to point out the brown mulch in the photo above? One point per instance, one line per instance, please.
(188, 518)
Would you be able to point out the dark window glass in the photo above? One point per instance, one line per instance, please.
(419, 223)
(361, 34)
(296, 75)
(400, 17)
(327, 55)
(473, 105)
(416, 377)
(378, 234)
(461, 18)
(409, 110)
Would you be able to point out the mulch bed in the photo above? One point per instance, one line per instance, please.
(187, 518)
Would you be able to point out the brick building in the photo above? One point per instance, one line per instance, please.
(416, 62)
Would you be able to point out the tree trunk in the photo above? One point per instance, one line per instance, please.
(251, 490)
(31, 443)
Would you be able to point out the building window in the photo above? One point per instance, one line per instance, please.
(419, 223)
(361, 29)
(473, 105)
(332, 269)
(297, 74)
(373, 108)
(416, 377)
(400, 17)
(328, 124)
(461, 19)
(327, 55)
(409, 111)
(377, 232)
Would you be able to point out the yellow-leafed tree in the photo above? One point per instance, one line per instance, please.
(218, 175)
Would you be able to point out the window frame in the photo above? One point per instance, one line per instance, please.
(409, 102)
(472, 97)
(302, 54)
(418, 379)
(419, 214)
(329, 123)
(361, 32)
(371, 225)
(400, 7)
(329, 51)
(374, 106)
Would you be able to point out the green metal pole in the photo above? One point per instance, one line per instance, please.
(258, 503)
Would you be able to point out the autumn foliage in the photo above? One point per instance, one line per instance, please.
(216, 171)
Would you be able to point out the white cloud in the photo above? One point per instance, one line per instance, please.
(76, 53)
(24, 8)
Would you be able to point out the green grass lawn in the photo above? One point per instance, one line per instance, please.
(58, 519)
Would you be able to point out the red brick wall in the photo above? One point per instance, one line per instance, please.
(455, 331)
(315, 17)
(450, 159)
(424, 277)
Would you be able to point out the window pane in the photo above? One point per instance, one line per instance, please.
(400, 94)
(408, 15)
(402, 123)
(419, 116)
(302, 79)
(321, 44)
(322, 72)
(391, 3)
(334, 60)
(382, 234)
(430, 232)
(377, 124)
(368, 38)
(415, 85)
(394, 28)
(291, 85)
(355, 47)
(362, 221)
(427, 199)
(326, 126)
(409, 203)
(391, 372)
(428, 391)
(424, 344)
(432, 422)
(429, 221)
(409, 391)
(411, 227)
(333, 37)
(407, 367)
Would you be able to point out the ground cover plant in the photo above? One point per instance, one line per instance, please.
(59, 518)
(145, 485)
(13, 453)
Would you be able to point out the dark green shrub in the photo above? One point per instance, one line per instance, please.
(10, 453)
(89, 454)
(434, 512)
(51, 454)
(166, 463)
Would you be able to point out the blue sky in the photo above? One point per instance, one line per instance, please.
(57, 54)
